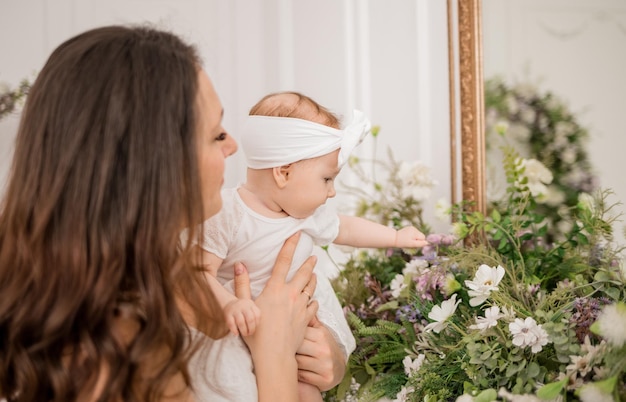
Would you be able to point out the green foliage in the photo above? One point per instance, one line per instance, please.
(540, 126)
(11, 99)
(560, 286)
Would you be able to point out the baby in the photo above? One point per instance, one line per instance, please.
(294, 150)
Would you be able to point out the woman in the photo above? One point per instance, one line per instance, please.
(120, 147)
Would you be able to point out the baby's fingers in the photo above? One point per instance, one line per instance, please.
(232, 325)
(252, 318)
(421, 243)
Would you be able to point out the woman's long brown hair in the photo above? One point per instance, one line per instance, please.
(104, 177)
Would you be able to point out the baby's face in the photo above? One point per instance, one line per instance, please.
(311, 183)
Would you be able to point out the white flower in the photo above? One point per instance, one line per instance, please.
(417, 182)
(413, 365)
(580, 364)
(459, 229)
(519, 132)
(528, 115)
(397, 284)
(508, 313)
(553, 197)
(492, 314)
(415, 266)
(586, 201)
(485, 280)
(611, 324)
(403, 395)
(569, 154)
(541, 341)
(537, 174)
(465, 398)
(528, 333)
(441, 313)
(503, 393)
(442, 210)
(591, 393)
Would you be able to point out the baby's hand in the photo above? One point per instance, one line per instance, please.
(242, 316)
(410, 237)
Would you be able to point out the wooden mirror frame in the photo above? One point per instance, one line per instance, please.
(470, 101)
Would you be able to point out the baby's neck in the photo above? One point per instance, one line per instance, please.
(260, 200)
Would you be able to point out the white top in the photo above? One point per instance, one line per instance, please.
(222, 369)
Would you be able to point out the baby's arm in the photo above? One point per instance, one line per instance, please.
(241, 315)
(360, 232)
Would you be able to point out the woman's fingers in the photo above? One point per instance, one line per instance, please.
(283, 261)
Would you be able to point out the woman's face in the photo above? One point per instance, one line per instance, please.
(214, 145)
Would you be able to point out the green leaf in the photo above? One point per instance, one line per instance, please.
(495, 216)
(613, 293)
(487, 395)
(390, 305)
(552, 390)
(511, 370)
(533, 370)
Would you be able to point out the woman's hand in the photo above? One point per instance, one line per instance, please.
(321, 361)
(286, 309)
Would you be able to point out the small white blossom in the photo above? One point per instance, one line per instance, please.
(528, 333)
(553, 196)
(397, 284)
(537, 174)
(442, 210)
(465, 398)
(592, 393)
(485, 280)
(541, 339)
(403, 395)
(528, 115)
(519, 132)
(441, 314)
(415, 266)
(503, 393)
(586, 201)
(413, 365)
(611, 324)
(417, 182)
(492, 314)
(579, 364)
(459, 229)
(568, 155)
(508, 313)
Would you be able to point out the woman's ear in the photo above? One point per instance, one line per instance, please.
(281, 175)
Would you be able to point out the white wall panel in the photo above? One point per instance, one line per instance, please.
(386, 58)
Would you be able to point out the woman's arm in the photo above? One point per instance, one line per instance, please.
(285, 314)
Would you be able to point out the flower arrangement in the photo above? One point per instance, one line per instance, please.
(495, 311)
(10, 100)
(540, 127)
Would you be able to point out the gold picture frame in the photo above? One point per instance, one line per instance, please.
(466, 28)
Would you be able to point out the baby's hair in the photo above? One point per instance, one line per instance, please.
(296, 105)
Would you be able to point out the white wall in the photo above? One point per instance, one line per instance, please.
(388, 58)
(371, 55)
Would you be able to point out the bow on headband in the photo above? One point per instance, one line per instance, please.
(276, 141)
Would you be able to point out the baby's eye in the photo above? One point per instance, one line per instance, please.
(221, 137)
(327, 179)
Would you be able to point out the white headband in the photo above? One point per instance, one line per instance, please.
(276, 141)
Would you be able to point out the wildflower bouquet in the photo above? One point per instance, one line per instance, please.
(494, 311)
(540, 126)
